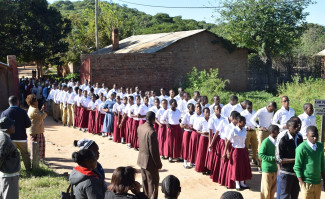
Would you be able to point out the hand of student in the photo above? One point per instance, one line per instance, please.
(160, 125)
(262, 129)
(224, 156)
(168, 126)
(228, 155)
(120, 126)
(135, 188)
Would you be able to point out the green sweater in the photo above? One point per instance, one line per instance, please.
(309, 163)
(267, 154)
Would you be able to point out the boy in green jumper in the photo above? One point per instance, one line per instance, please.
(269, 167)
(309, 165)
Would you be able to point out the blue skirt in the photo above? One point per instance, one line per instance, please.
(108, 126)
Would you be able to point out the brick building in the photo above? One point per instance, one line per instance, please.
(9, 84)
(161, 60)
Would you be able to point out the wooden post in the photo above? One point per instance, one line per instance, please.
(35, 153)
(322, 129)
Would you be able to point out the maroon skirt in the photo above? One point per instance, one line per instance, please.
(185, 151)
(211, 155)
(123, 130)
(193, 146)
(76, 117)
(129, 129)
(142, 122)
(202, 154)
(134, 134)
(162, 138)
(99, 122)
(173, 142)
(230, 184)
(92, 122)
(239, 166)
(223, 165)
(84, 116)
(215, 169)
(116, 132)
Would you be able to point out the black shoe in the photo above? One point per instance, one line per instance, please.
(239, 189)
(247, 187)
(186, 166)
(171, 161)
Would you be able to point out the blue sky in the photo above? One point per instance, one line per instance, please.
(316, 11)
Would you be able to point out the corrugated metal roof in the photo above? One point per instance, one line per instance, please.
(321, 53)
(148, 43)
(3, 65)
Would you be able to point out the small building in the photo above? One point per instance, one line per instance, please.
(9, 84)
(160, 60)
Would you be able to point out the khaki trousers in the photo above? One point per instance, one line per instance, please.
(150, 183)
(311, 191)
(251, 139)
(70, 114)
(61, 110)
(9, 187)
(49, 107)
(22, 146)
(56, 111)
(261, 135)
(268, 185)
(64, 114)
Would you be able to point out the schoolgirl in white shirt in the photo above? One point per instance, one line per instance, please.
(194, 140)
(162, 127)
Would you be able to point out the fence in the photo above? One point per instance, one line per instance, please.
(283, 69)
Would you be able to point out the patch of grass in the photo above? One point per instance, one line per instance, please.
(41, 183)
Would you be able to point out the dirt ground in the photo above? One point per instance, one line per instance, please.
(59, 147)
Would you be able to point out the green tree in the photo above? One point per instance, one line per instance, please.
(36, 32)
(312, 40)
(270, 27)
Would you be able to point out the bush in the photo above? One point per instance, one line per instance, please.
(75, 76)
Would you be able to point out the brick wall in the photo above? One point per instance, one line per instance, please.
(148, 71)
(168, 67)
(199, 51)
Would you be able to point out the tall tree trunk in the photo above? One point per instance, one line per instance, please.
(39, 69)
(267, 59)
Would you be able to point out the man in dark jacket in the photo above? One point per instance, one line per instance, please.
(148, 158)
(9, 161)
(22, 121)
(287, 142)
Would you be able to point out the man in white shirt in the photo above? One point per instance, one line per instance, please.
(123, 93)
(163, 95)
(307, 119)
(251, 137)
(102, 90)
(56, 99)
(113, 90)
(226, 110)
(179, 96)
(96, 88)
(171, 95)
(64, 99)
(50, 97)
(70, 106)
(204, 102)
(264, 117)
(71, 83)
(83, 86)
(284, 114)
(240, 107)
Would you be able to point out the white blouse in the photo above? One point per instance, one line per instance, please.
(186, 120)
(214, 123)
(195, 120)
(136, 110)
(115, 108)
(92, 105)
(143, 110)
(172, 117)
(203, 126)
(237, 137)
(153, 109)
(160, 114)
(84, 101)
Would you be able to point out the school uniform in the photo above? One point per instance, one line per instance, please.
(174, 135)
(65, 97)
(213, 123)
(218, 164)
(194, 140)
(161, 130)
(239, 167)
(108, 125)
(102, 90)
(226, 110)
(129, 110)
(224, 175)
(116, 134)
(135, 125)
(237, 108)
(96, 90)
(70, 108)
(76, 122)
(122, 109)
(100, 115)
(182, 106)
(202, 146)
(92, 117)
(269, 168)
(282, 116)
(206, 106)
(152, 101)
(155, 110)
(185, 150)
(192, 101)
(56, 107)
(50, 103)
(309, 164)
(161, 97)
(143, 110)
(264, 118)
(84, 113)
(211, 108)
(306, 121)
(61, 96)
(251, 137)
